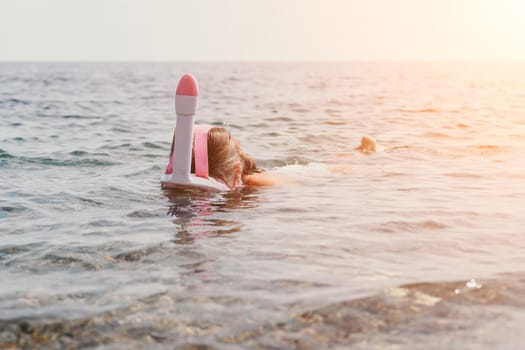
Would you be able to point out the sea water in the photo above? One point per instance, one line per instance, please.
(421, 245)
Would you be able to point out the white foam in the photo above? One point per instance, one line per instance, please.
(310, 169)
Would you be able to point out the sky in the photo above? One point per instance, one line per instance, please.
(262, 30)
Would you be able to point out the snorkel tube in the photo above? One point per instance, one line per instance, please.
(178, 171)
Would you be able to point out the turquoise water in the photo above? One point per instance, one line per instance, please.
(419, 245)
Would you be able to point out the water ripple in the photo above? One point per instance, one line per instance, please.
(93, 253)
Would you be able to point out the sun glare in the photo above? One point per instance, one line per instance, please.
(499, 27)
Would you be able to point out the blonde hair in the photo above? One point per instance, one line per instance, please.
(224, 156)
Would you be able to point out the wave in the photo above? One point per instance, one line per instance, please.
(68, 162)
(5, 155)
(15, 101)
(491, 149)
(423, 110)
(435, 134)
(9, 158)
(12, 210)
(77, 116)
(57, 261)
(410, 226)
(466, 175)
(151, 145)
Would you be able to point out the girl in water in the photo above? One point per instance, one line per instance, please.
(229, 164)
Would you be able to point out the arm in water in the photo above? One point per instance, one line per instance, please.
(368, 145)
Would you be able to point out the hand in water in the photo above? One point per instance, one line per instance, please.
(368, 144)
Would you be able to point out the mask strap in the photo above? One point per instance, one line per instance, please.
(200, 145)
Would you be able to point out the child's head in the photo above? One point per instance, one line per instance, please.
(226, 160)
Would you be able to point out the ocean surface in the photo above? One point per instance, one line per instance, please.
(419, 246)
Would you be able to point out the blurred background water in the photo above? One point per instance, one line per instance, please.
(421, 245)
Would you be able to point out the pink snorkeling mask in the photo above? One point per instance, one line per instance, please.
(178, 172)
(200, 146)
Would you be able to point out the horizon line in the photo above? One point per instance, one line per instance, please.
(259, 61)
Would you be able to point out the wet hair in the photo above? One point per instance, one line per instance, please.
(224, 155)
